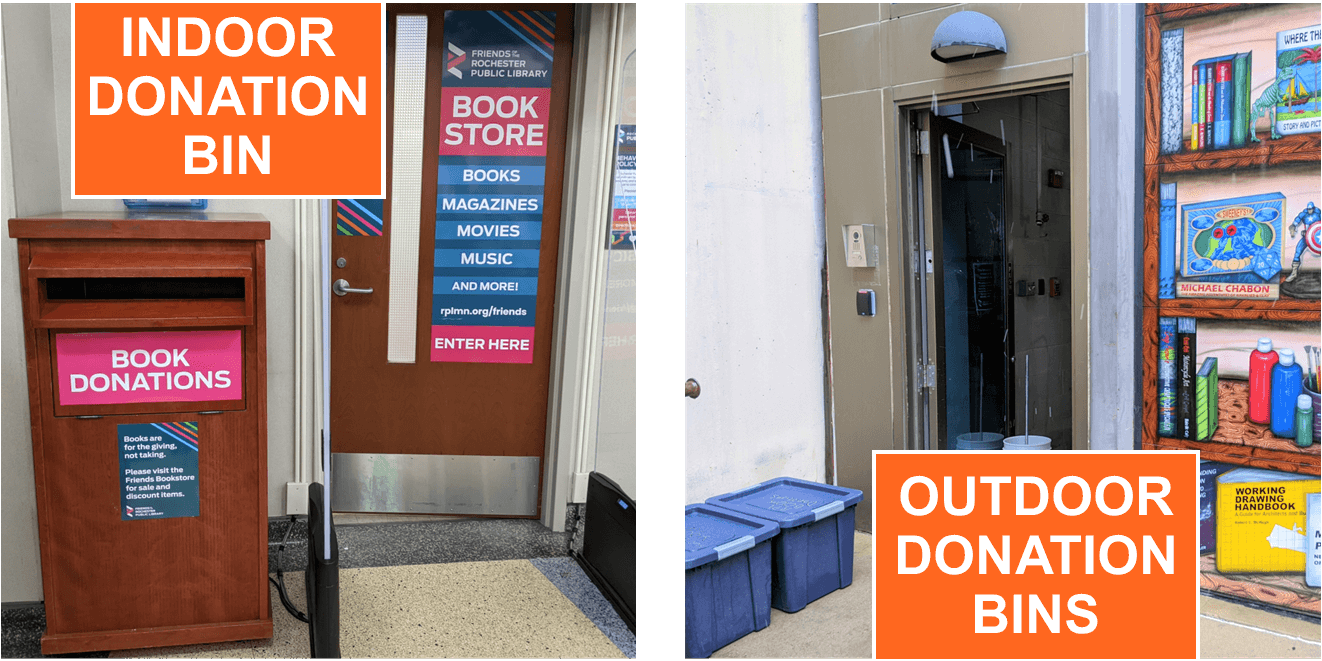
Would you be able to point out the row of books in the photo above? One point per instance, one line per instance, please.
(1186, 396)
(1221, 102)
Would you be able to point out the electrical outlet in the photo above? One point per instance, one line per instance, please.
(1056, 178)
(296, 498)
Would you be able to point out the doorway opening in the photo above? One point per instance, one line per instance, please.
(990, 301)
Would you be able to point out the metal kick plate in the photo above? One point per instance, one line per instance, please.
(434, 484)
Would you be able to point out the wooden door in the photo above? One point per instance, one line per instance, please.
(457, 430)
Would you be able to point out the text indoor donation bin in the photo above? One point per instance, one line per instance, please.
(146, 356)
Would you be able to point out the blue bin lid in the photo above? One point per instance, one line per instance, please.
(713, 533)
(789, 501)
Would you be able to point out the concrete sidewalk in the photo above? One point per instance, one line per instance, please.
(839, 625)
(1233, 631)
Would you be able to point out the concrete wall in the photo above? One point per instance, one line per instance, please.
(754, 242)
(36, 164)
(1115, 256)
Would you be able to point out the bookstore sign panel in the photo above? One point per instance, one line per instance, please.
(495, 105)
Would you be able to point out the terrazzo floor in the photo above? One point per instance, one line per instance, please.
(445, 588)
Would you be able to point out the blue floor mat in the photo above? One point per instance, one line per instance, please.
(568, 577)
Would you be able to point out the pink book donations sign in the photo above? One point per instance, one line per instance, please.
(168, 366)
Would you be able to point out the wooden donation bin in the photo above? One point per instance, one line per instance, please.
(146, 355)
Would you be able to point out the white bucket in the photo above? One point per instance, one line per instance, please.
(984, 440)
(1027, 443)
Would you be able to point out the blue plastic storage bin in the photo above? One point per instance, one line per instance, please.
(727, 577)
(814, 553)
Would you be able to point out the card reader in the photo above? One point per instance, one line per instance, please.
(867, 303)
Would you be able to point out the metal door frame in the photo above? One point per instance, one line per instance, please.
(904, 210)
(913, 238)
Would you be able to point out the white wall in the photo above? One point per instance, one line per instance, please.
(754, 247)
(36, 181)
(20, 568)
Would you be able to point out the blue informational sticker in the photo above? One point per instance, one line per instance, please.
(158, 470)
(359, 217)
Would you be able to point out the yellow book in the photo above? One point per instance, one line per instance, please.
(1260, 520)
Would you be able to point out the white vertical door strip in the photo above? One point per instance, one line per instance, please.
(406, 186)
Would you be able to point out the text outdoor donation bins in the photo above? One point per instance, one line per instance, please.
(146, 353)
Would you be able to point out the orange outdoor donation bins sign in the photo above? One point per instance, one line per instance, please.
(1036, 555)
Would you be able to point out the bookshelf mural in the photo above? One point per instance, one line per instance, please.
(1234, 83)
(1232, 354)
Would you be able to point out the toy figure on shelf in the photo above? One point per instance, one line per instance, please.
(1311, 219)
(1270, 99)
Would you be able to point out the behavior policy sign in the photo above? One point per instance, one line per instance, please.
(624, 199)
(495, 102)
(1036, 555)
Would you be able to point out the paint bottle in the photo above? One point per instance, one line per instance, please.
(1303, 421)
(1261, 362)
(1287, 383)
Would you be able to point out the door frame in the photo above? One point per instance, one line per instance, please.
(571, 427)
(914, 203)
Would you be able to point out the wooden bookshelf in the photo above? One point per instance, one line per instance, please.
(1178, 10)
(1237, 440)
(1282, 309)
(1240, 441)
(1299, 148)
(1278, 589)
(1235, 428)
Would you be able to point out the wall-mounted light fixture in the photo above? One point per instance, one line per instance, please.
(965, 35)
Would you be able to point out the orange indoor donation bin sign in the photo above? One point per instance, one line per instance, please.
(228, 100)
(1036, 555)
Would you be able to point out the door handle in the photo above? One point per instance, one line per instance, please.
(692, 389)
(341, 287)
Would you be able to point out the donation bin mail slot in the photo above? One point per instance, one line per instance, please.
(146, 345)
